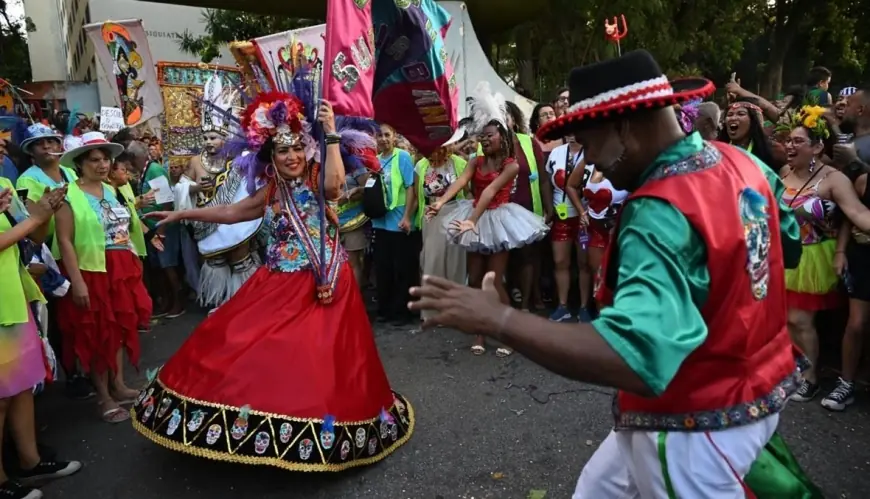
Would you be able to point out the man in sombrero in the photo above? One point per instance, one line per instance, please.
(692, 330)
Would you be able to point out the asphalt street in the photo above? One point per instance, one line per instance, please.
(486, 428)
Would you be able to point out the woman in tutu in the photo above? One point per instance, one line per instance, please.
(287, 372)
(489, 225)
(107, 304)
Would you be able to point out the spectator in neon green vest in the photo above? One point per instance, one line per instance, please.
(397, 240)
(107, 303)
(23, 361)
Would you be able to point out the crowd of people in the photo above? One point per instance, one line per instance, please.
(94, 259)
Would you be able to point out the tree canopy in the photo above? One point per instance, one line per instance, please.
(770, 44)
(14, 57)
(225, 26)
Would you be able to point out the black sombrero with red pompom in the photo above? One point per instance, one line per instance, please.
(618, 87)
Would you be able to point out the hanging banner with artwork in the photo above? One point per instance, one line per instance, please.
(123, 53)
(181, 84)
(268, 60)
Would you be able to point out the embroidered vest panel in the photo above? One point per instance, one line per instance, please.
(739, 371)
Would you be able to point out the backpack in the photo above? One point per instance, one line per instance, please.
(374, 199)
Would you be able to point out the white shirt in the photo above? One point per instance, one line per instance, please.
(560, 165)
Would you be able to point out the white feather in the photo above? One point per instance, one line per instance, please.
(486, 107)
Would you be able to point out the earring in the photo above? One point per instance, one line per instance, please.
(270, 171)
(812, 165)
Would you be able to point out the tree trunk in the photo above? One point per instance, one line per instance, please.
(789, 15)
(525, 63)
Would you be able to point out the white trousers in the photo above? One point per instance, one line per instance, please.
(627, 465)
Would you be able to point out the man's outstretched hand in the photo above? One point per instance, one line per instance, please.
(470, 310)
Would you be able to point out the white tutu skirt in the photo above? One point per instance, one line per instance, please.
(508, 227)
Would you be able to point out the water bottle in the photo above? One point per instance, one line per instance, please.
(583, 238)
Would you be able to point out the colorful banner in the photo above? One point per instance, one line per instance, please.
(349, 68)
(414, 85)
(274, 53)
(181, 85)
(122, 50)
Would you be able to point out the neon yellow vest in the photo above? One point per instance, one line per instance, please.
(18, 287)
(35, 190)
(459, 165)
(89, 239)
(534, 182)
(397, 186)
(136, 235)
(526, 145)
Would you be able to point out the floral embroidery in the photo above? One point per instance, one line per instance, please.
(756, 232)
(738, 415)
(285, 251)
(707, 158)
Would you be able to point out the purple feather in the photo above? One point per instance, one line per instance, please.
(278, 112)
(356, 139)
(303, 88)
(356, 123)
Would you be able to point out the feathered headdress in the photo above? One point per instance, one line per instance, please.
(220, 105)
(487, 107)
(287, 118)
(809, 117)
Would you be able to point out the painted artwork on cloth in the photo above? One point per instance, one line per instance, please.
(181, 84)
(122, 50)
(126, 66)
(269, 62)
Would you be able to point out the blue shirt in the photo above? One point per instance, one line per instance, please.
(391, 220)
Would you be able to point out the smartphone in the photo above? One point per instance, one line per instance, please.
(22, 193)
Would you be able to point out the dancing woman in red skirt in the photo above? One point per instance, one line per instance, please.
(287, 372)
(101, 315)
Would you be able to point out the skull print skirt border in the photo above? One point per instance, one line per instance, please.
(249, 437)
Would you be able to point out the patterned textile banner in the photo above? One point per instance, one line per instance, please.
(414, 88)
(122, 49)
(269, 60)
(350, 46)
(181, 84)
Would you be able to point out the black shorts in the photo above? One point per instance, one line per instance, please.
(858, 258)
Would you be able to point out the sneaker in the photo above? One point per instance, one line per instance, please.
(79, 388)
(48, 470)
(561, 314)
(805, 392)
(840, 397)
(584, 315)
(14, 490)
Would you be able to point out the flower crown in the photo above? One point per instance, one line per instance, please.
(277, 116)
(809, 117)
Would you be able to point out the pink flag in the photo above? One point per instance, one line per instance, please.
(349, 59)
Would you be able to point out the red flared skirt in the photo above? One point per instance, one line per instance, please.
(275, 377)
(119, 306)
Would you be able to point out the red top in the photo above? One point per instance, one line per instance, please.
(748, 351)
(481, 181)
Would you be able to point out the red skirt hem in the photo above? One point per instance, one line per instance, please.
(119, 306)
(813, 302)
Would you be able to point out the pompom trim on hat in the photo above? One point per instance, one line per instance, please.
(695, 88)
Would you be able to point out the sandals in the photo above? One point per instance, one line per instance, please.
(116, 415)
(478, 350)
(503, 352)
